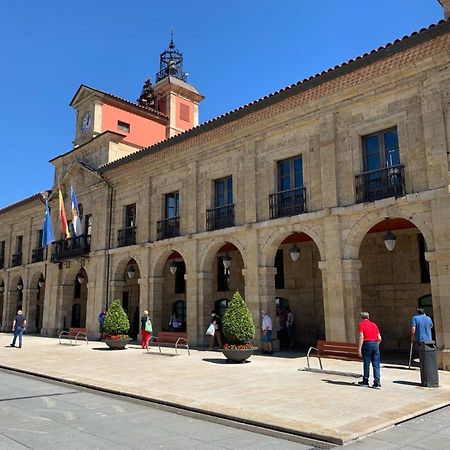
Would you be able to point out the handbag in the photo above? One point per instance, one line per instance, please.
(148, 326)
(211, 330)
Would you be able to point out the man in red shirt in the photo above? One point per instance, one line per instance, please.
(369, 349)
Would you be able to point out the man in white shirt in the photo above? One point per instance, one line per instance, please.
(266, 328)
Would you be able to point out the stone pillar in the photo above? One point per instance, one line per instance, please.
(30, 308)
(2, 310)
(154, 302)
(93, 308)
(203, 315)
(267, 295)
(352, 296)
(192, 318)
(333, 301)
(440, 293)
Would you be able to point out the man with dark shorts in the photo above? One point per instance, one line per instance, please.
(19, 325)
(369, 350)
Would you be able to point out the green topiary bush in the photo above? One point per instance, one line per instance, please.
(237, 325)
(116, 321)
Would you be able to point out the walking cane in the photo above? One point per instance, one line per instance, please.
(410, 355)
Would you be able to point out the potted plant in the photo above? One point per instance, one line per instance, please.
(238, 330)
(116, 327)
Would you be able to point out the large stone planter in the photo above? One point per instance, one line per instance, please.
(238, 355)
(117, 344)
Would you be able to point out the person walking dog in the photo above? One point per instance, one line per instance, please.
(18, 327)
(369, 350)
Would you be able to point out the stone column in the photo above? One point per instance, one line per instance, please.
(333, 301)
(30, 309)
(352, 296)
(192, 318)
(203, 316)
(154, 301)
(93, 308)
(440, 292)
(267, 295)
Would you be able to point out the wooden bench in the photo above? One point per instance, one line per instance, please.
(170, 337)
(73, 334)
(336, 350)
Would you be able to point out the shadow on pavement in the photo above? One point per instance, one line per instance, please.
(407, 383)
(341, 383)
(223, 361)
(413, 368)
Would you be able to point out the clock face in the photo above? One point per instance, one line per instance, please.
(87, 120)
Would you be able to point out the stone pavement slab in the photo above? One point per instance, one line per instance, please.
(268, 391)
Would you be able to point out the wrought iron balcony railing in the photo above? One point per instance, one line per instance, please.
(168, 228)
(220, 217)
(287, 203)
(126, 236)
(382, 183)
(16, 260)
(69, 248)
(2, 262)
(37, 255)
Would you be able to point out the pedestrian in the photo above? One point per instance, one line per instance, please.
(146, 330)
(101, 323)
(217, 336)
(18, 327)
(290, 327)
(266, 328)
(421, 326)
(369, 350)
(174, 323)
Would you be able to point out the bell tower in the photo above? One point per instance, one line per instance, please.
(174, 96)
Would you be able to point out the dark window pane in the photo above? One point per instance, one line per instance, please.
(373, 162)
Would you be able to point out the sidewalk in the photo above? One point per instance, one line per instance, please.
(269, 391)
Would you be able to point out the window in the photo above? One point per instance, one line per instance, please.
(279, 264)
(39, 239)
(88, 224)
(424, 265)
(222, 276)
(130, 215)
(381, 150)
(184, 112)
(19, 244)
(123, 126)
(223, 194)
(290, 174)
(2, 254)
(77, 289)
(180, 282)
(172, 206)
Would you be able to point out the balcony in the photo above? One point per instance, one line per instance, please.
(2, 262)
(126, 236)
(287, 203)
(69, 248)
(16, 260)
(220, 217)
(37, 255)
(382, 183)
(168, 228)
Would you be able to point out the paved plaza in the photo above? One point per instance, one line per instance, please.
(268, 391)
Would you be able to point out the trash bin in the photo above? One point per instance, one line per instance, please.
(429, 376)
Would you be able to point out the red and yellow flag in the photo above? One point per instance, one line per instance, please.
(62, 215)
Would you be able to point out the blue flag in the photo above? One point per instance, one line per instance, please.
(47, 231)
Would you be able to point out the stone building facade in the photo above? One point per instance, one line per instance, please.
(337, 168)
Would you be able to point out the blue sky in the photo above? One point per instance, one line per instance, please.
(234, 51)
